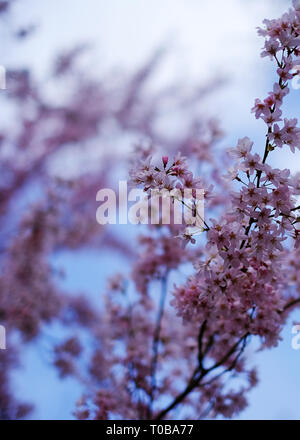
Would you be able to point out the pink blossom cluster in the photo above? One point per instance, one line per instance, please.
(239, 286)
(131, 370)
(282, 39)
(246, 278)
(168, 176)
(142, 355)
(43, 213)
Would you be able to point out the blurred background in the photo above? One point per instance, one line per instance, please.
(88, 80)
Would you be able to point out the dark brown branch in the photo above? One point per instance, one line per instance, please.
(200, 343)
(198, 375)
(291, 304)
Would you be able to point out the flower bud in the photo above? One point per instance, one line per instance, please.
(165, 160)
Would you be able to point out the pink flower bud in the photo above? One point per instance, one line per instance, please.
(165, 160)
